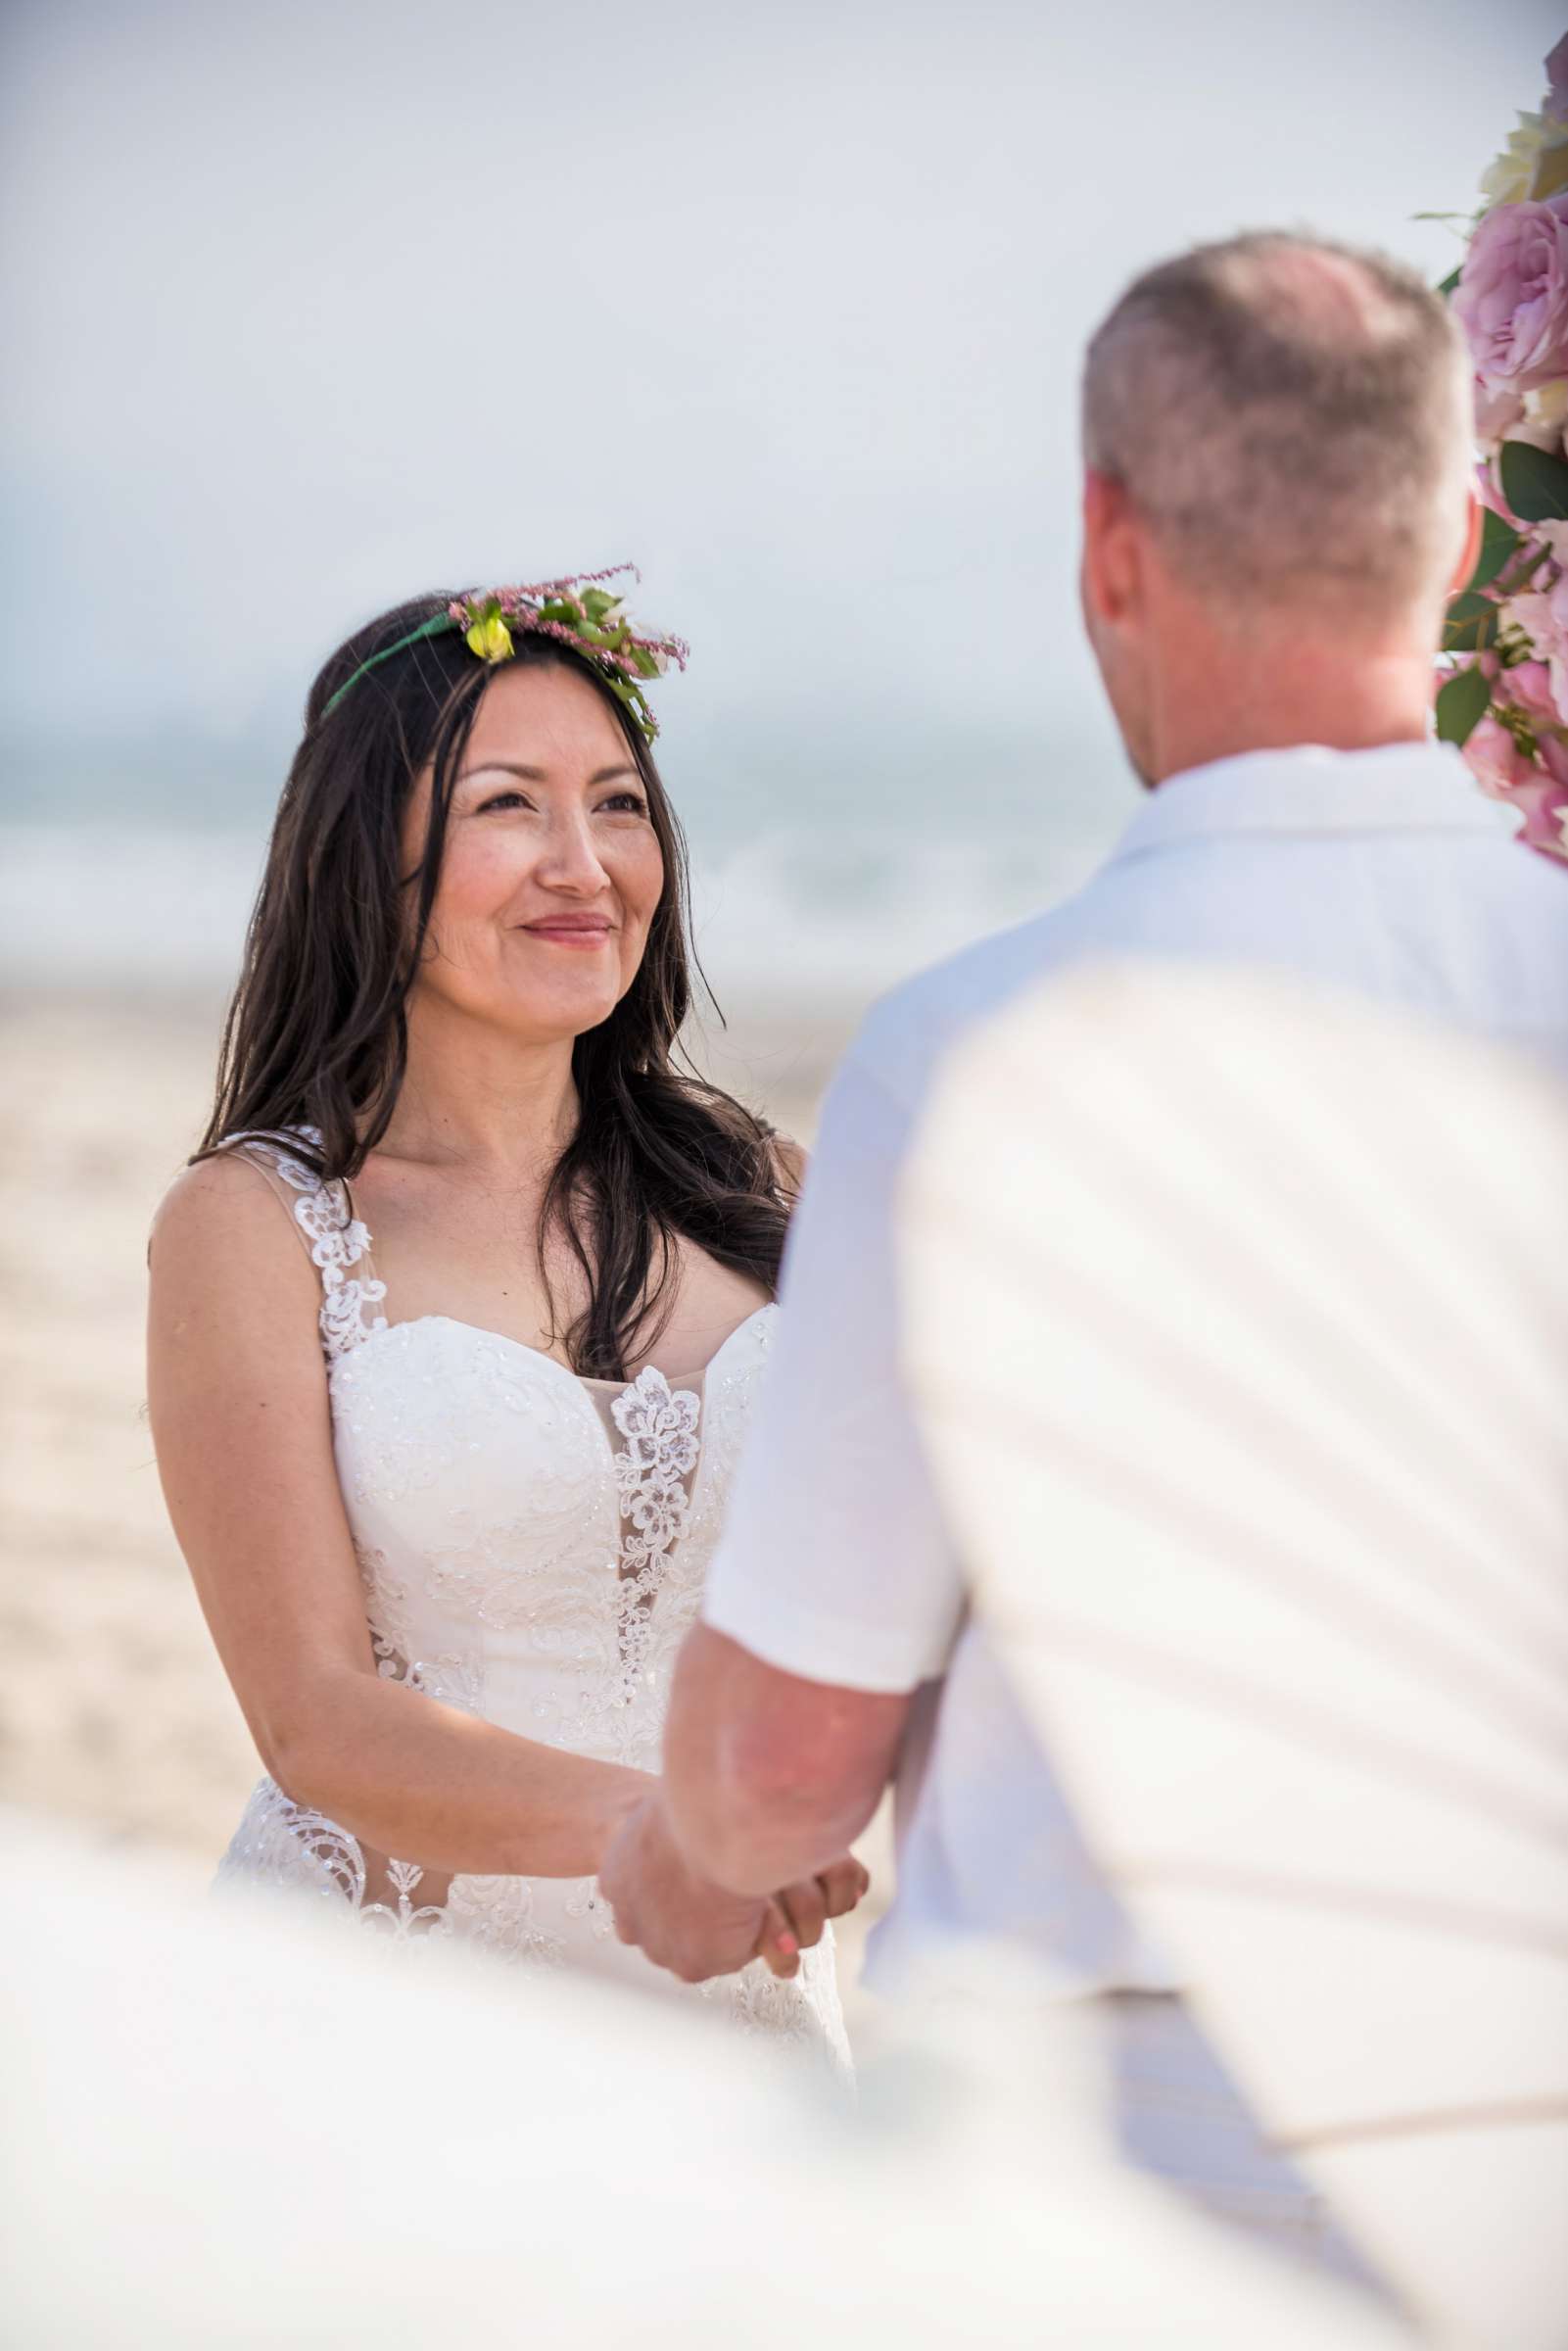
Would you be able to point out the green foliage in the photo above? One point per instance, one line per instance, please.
(1471, 624)
(1534, 483)
(1463, 704)
(1500, 544)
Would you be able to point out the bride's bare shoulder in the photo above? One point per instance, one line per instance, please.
(226, 1205)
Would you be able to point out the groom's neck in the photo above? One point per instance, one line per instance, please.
(1216, 693)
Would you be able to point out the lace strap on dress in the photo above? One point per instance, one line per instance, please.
(337, 1240)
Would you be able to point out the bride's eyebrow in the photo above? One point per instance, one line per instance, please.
(540, 775)
(503, 767)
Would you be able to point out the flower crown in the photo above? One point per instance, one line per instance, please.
(578, 610)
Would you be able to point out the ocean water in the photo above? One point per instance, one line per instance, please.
(798, 916)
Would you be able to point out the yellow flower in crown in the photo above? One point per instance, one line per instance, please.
(578, 611)
(489, 637)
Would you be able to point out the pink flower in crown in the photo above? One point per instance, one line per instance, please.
(1512, 295)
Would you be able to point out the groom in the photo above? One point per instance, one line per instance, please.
(1275, 504)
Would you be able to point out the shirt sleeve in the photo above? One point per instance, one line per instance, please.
(835, 1562)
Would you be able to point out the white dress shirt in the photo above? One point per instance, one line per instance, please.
(1381, 873)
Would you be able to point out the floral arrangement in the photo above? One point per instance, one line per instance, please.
(578, 610)
(1502, 692)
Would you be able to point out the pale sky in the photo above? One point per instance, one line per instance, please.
(310, 306)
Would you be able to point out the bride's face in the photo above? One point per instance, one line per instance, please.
(552, 870)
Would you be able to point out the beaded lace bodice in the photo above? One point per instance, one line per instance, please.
(532, 1547)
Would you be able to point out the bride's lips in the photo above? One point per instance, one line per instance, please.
(571, 929)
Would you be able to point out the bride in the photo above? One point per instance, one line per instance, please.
(458, 1316)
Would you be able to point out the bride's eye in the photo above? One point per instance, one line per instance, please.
(630, 803)
(501, 800)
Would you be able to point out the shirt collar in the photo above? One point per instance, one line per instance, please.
(1400, 787)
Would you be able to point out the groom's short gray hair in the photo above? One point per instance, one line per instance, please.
(1291, 416)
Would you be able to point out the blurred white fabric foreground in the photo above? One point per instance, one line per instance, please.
(221, 2129)
(1238, 1320)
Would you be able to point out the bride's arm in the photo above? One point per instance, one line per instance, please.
(238, 1399)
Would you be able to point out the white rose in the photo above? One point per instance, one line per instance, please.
(1531, 167)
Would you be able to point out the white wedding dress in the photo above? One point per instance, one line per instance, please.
(533, 1547)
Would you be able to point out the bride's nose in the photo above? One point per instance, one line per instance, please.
(569, 860)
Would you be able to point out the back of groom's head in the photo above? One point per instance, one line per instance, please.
(1291, 419)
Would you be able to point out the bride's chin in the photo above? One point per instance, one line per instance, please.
(560, 1018)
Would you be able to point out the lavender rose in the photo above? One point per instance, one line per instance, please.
(1512, 295)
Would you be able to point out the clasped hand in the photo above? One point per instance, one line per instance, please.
(698, 1930)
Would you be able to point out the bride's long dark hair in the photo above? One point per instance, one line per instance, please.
(317, 1035)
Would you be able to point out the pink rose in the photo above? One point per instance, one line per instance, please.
(1496, 412)
(1554, 762)
(1512, 295)
(1495, 760)
(1538, 788)
(1543, 618)
(1544, 805)
(1528, 688)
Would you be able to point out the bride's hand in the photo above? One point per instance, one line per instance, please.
(798, 1914)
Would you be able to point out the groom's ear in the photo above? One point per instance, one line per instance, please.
(1112, 572)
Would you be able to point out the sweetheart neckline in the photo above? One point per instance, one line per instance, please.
(579, 1379)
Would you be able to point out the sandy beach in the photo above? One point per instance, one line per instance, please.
(116, 1712)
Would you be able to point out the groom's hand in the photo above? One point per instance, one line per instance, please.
(679, 1920)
